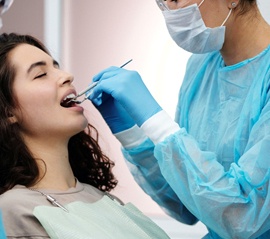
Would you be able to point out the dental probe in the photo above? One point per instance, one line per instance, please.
(91, 87)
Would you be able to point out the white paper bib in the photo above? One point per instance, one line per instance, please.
(104, 219)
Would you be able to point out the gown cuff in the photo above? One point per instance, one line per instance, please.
(131, 138)
(159, 126)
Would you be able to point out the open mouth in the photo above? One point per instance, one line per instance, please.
(67, 102)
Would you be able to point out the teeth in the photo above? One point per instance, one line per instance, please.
(70, 96)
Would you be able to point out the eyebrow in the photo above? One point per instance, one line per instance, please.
(40, 63)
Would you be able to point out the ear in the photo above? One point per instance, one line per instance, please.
(233, 4)
(12, 118)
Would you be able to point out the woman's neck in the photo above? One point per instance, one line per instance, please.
(55, 171)
(246, 37)
(56, 174)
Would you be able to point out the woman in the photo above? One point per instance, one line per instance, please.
(212, 164)
(54, 178)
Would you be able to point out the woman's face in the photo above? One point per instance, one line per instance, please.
(39, 87)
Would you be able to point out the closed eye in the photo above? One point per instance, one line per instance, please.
(39, 76)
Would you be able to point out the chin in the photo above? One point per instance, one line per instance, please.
(84, 124)
(78, 127)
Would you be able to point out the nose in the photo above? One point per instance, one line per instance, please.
(65, 78)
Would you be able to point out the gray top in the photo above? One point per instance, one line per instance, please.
(17, 207)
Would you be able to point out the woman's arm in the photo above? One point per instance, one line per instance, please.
(143, 165)
(233, 203)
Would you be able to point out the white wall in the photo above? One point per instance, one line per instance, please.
(26, 17)
(264, 6)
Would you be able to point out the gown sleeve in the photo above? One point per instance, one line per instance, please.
(146, 172)
(138, 151)
(233, 203)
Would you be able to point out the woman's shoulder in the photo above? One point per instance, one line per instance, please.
(17, 206)
(14, 196)
(17, 202)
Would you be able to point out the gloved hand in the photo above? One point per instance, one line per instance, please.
(128, 89)
(114, 114)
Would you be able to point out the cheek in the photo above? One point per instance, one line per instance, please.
(36, 96)
(32, 113)
(214, 13)
(34, 117)
(35, 103)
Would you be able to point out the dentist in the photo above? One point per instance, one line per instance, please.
(211, 163)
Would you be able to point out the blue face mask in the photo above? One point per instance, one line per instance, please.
(188, 30)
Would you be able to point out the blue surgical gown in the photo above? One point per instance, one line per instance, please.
(216, 167)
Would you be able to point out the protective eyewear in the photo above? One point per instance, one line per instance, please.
(5, 5)
(162, 4)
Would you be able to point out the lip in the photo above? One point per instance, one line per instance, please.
(76, 107)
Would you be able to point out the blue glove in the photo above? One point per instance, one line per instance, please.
(114, 114)
(128, 89)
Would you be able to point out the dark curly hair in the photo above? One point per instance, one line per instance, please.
(17, 165)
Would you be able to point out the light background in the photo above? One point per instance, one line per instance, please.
(86, 36)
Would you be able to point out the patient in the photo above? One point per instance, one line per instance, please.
(54, 178)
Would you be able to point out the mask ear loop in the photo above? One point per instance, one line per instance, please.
(229, 14)
(201, 3)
